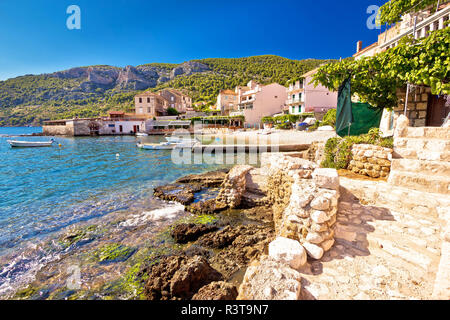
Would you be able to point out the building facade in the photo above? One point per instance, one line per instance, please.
(256, 101)
(227, 101)
(177, 100)
(427, 21)
(422, 108)
(304, 97)
(150, 104)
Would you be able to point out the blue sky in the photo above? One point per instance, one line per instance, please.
(34, 38)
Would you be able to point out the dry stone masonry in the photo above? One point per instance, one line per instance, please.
(304, 201)
(310, 212)
(370, 160)
(233, 186)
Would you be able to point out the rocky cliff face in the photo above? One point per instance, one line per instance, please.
(129, 77)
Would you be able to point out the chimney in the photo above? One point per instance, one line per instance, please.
(358, 46)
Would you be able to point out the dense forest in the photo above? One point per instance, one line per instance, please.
(92, 91)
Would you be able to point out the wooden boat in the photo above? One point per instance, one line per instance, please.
(28, 144)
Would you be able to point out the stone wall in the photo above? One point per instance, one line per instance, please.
(417, 105)
(304, 201)
(58, 130)
(316, 152)
(233, 187)
(370, 160)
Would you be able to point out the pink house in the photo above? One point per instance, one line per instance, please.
(256, 101)
(304, 97)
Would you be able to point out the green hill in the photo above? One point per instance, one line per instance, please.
(91, 91)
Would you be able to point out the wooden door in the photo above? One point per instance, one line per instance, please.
(437, 111)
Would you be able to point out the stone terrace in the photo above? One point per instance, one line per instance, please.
(379, 253)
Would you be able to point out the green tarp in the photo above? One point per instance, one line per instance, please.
(360, 117)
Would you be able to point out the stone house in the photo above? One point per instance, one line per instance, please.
(423, 108)
(226, 101)
(150, 104)
(177, 100)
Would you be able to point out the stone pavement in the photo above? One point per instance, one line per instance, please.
(379, 254)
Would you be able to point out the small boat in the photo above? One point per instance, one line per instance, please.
(179, 140)
(183, 144)
(28, 144)
(141, 134)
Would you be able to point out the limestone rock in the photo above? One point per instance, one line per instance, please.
(178, 277)
(184, 233)
(314, 251)
(287, 251)
(219, 290)
(319, 216)
(326, 178)
(320, 203)
(268, 279)
(326, 245)
(194, 274)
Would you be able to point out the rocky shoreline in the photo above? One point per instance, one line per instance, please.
(292, 207)
(217, 253)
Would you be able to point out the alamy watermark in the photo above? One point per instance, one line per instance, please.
(73, 22)
(373, 21)
(219, 149)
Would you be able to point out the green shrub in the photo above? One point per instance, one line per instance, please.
(338, 151)
(172, 112)
(329, 119)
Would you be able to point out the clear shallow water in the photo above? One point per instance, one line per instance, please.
(44, 190)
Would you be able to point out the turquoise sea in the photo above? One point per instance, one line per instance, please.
(44, 190)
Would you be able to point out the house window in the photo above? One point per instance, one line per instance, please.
(140, 100)
(149, 110)
(148, 100)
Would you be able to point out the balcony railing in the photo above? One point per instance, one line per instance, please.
(437, 21)
(296, 100)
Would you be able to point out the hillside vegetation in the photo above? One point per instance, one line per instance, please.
(93, 90)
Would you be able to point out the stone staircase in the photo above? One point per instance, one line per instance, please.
(421, 160)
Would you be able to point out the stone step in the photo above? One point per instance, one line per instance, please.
(420, 182)
(419, 144)
(441, 168)
(400, 199)
(427, 132)
(409, 153)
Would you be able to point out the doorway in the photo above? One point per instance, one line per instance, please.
(437, 111)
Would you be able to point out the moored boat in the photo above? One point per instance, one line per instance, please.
(182, 144)
(24, 144)
(141, 134)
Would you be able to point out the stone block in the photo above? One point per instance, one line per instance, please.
(314, 251)
(319, 216)
(326, 178)
(287, 251)
(321, 203)
(270, 280)
(422, 106)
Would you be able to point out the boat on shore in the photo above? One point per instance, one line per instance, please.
(29, 144)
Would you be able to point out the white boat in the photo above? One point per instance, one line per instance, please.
(179, 140)
(23, 144)
(141, 134)
(183, 144)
